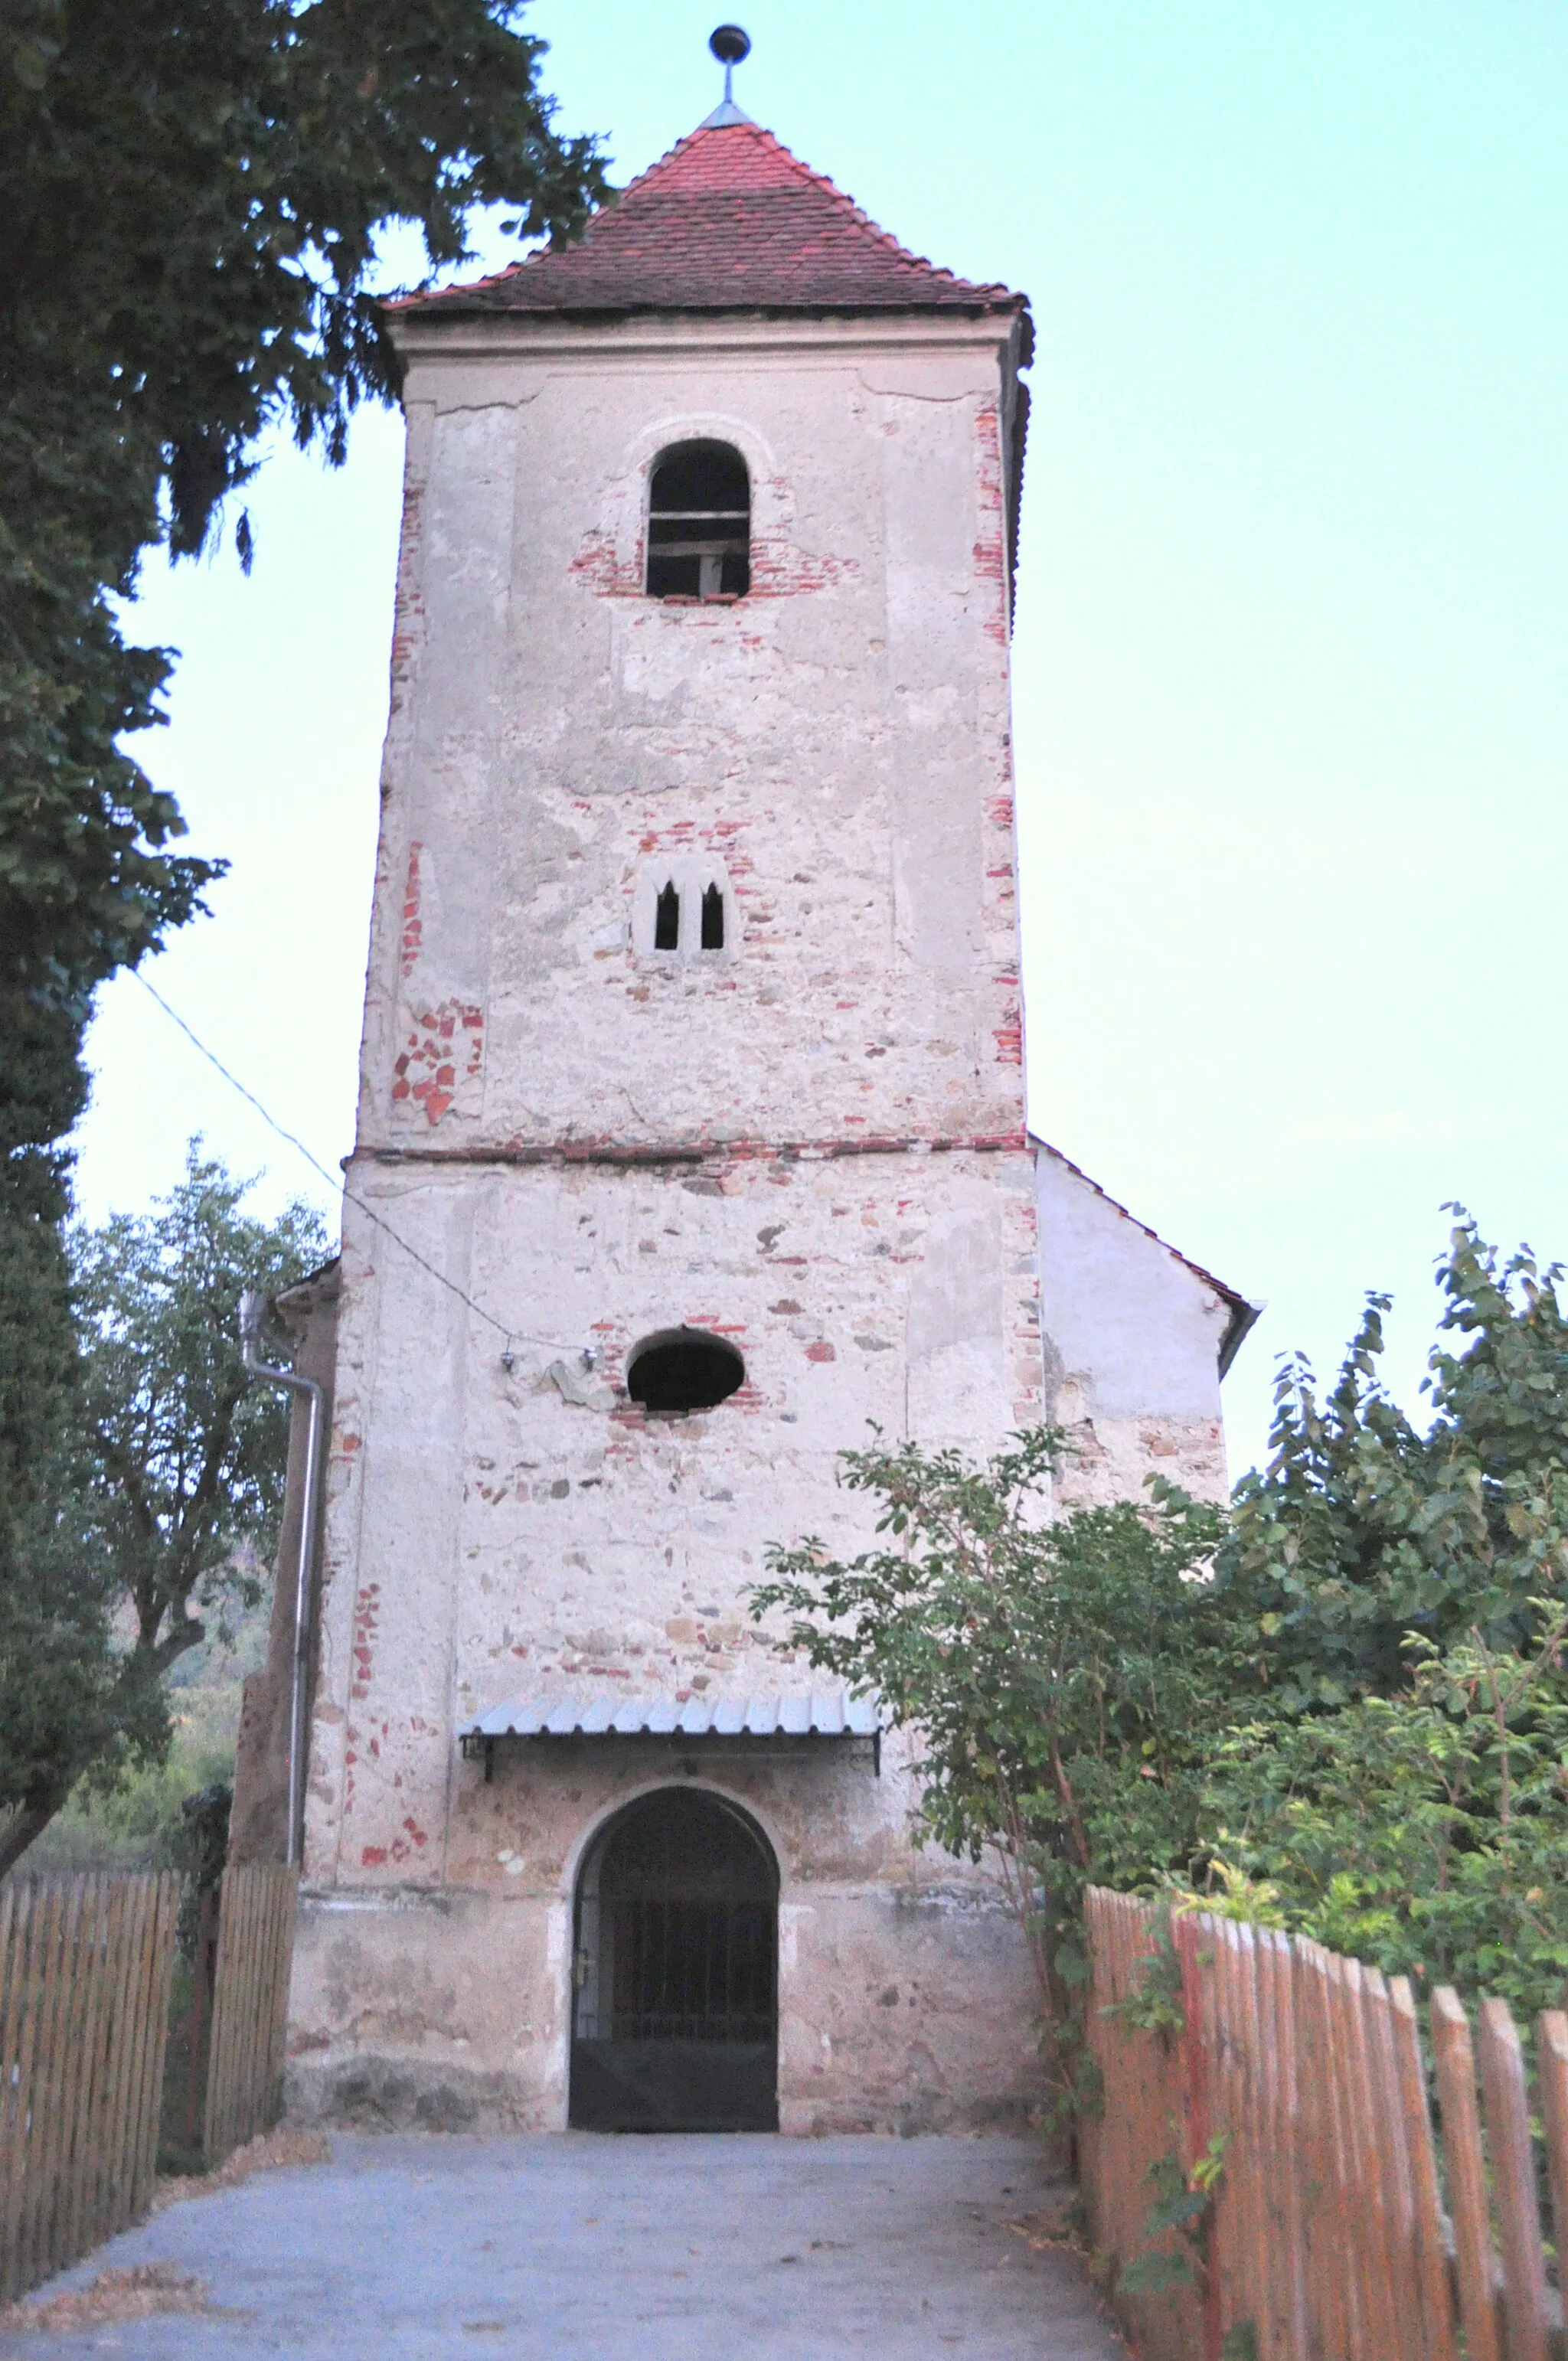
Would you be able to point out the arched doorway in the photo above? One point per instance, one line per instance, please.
(675, 2024)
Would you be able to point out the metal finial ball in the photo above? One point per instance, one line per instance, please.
(729, 44)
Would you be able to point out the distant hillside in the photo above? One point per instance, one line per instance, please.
(132, 1828)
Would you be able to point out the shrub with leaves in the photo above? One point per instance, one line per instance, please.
(1343, 1707)
(1060, 1674)
(1363, 1529)
(1426, 1832)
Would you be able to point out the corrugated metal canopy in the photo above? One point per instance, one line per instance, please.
(609, 1715)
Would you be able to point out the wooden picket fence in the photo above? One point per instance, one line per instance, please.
(86, 1964)
(1285, 2115)
(250, 2006)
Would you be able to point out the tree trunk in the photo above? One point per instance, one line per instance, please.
(19, 1831)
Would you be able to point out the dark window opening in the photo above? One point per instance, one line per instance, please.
(667, 920)
(699, 523)
(675, 2024)
(713, 920)
(683, 1369)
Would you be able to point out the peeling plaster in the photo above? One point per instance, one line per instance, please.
(813, 1147)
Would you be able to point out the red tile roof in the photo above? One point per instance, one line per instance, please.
(728, 220)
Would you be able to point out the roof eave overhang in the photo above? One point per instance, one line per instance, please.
(768, 1722)
(320, 1285)
(1003, 329)
(474, 1740)
(483, 1746)
(1243, 1319)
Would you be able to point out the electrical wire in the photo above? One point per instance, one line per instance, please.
(521, 1335)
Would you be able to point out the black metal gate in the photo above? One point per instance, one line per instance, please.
(675, 2014)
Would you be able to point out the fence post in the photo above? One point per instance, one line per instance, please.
(1431, 2259)
(1513, 2174)
(1326, 2236)
(1198, 2126)
(1467, 2175)
(1552, 2066)
(250, 2000)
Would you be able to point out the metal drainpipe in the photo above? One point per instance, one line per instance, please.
(252, 1311)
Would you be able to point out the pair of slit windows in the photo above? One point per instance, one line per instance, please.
(667, 919)
(699, 523)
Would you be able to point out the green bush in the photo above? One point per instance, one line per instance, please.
(1426, 1832)
(139, 1824)
(1341, 1705)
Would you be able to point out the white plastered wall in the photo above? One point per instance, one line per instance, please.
(1131, 1336)
(813, 1144)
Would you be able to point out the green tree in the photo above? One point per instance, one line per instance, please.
(1343, 1705)
(188, 1455)
(68, 1698)
(1061, 1676)
(1404, 1797)
(1425, 1831)
(191, 194)
(1363, 1529)
(161, 1508)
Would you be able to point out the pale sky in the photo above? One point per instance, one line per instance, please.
(1289, 670)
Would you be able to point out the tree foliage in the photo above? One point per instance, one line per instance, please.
(1342, 1703)
(187, 1455)
(190, 197)
(1426, 1831)
(159, 1505)
(190, 201)
(1059, 1675)
(68, 1698)
(1406, 1797)
(1363, 1529)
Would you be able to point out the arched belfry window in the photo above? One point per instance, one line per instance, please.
(699, 523)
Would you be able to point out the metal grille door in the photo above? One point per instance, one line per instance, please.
(675, 2024)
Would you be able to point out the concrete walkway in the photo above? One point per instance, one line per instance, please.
(653, 2249)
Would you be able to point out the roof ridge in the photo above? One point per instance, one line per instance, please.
(618, 197)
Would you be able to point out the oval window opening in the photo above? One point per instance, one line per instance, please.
(683, 1368)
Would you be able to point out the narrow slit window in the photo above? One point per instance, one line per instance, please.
(667, 919)
(713, 920)
(699, 523)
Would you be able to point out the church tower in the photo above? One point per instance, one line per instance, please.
(691, 1138)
